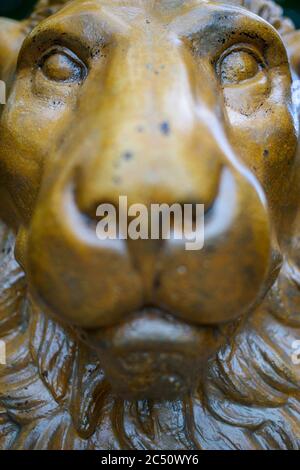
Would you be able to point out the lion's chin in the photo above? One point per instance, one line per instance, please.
(151, 355)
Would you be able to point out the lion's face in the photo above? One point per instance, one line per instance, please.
(164, 102)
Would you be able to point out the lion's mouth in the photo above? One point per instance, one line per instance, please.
(153, 355)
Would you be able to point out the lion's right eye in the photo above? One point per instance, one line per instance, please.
(238, 66)
(63, 66)
(243, 75)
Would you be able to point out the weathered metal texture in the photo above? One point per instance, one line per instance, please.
(142, 344)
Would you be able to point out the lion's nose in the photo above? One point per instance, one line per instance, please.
(146, 203)
(142, 191)
(166, 173)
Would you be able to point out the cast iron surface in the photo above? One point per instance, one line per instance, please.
(142, 344)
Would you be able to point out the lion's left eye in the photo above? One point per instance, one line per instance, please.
(63, 66)
(238, 66)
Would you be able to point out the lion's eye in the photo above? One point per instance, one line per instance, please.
(63, 66)
(238, 66)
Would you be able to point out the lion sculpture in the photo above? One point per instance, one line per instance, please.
(141, 344)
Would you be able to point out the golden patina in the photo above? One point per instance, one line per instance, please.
(143, 344)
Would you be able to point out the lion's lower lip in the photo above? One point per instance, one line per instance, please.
(149, 330)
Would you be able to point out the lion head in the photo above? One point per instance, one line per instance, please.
(141, 343)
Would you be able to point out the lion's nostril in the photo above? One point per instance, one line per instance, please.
(89, 221)
(209, 210)
(104, 213)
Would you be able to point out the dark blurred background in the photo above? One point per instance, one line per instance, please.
(20, 8)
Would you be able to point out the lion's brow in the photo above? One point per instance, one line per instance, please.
(57, 30)
(267, 9)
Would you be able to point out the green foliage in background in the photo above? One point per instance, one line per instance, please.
(292, 9)
(20, 8)
(16, 8)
